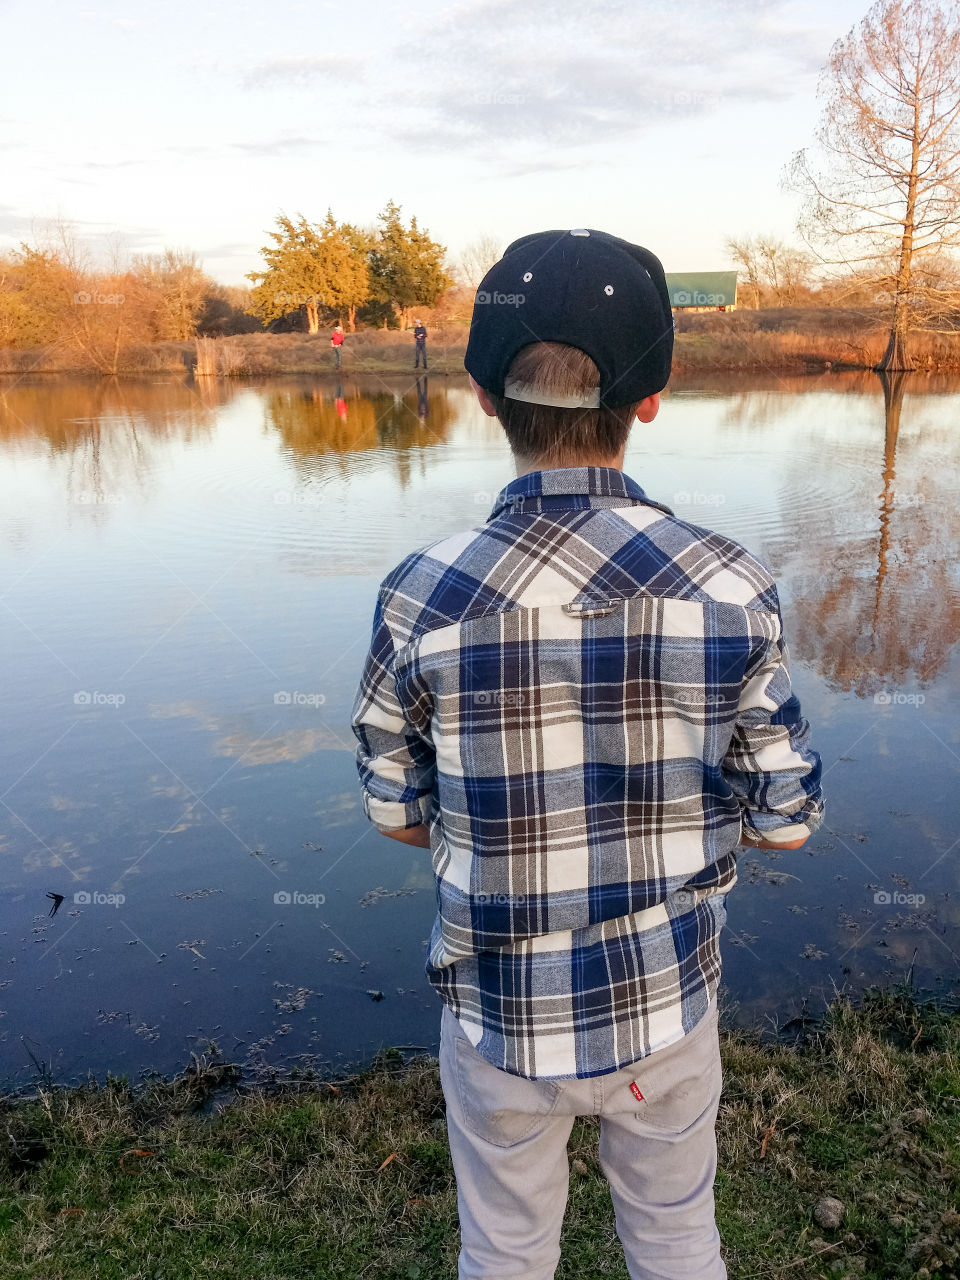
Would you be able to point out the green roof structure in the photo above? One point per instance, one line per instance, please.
(702, 288)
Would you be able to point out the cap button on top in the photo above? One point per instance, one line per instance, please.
(579, 231)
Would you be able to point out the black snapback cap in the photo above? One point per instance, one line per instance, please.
(585, 289)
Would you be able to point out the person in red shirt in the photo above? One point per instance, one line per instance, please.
(336, 341)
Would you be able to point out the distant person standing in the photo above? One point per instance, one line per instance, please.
(420, 335)
(336, 341)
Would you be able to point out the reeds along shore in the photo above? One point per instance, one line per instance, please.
(796, 341)
(839, 1156)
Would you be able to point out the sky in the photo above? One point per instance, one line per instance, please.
(193, 125)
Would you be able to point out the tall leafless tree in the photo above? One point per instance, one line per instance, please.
(477, 258)
(882, 186)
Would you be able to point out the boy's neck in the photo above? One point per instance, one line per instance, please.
(527, 465)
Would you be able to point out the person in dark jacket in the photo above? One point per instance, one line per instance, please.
(420, 334)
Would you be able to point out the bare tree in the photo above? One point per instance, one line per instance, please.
(477, 259)
(882, 187)
(745, 253)
(771, 268)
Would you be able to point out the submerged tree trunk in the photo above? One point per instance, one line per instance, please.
(893, 384)
(895, 359)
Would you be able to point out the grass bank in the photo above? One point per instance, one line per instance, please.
(354, 1180)
(777, 340)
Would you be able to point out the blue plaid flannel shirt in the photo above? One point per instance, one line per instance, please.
(588, 702)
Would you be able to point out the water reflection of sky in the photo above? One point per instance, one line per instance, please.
(212, 557)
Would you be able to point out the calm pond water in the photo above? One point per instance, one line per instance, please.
(188, 578)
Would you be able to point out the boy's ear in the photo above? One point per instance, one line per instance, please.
(486, 404)
(647, 409)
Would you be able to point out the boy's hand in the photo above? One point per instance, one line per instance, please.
(773, 844)
(418, 836)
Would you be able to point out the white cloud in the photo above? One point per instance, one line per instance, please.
(299, 70)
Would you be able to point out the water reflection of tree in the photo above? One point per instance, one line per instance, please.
(109, 434)
(308, 421)
(889, 617)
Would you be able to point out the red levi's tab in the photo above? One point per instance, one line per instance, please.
(635, 1090)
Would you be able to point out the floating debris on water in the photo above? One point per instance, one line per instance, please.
(188, 896)
(296, 1000)
(374, 895)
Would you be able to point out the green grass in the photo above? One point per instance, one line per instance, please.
(294, 1184)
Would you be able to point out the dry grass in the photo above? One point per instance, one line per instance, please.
(355, 1181)
(777, 340)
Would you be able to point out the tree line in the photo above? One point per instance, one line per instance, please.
(879, 221)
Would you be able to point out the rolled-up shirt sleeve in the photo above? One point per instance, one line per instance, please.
(397, 765)
(770, 766)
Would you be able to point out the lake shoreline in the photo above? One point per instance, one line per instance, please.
(844, 1145)
(781, 342)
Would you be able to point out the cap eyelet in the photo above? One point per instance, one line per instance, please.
(608, 289)
(527, 277)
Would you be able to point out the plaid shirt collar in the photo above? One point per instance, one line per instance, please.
(571, 488)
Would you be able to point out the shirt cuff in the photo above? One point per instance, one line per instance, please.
(394, 815)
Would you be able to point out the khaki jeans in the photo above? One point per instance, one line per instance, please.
(508, 1141)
